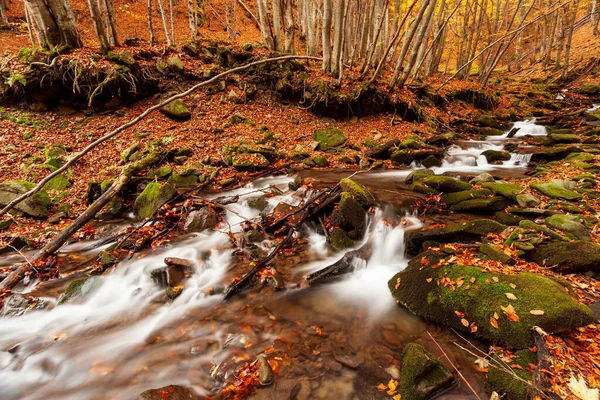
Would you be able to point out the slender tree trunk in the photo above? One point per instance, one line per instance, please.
(99, 27)
(171, 11)
(164, 21)
(338, 35)
(150, 28)
(288, 27)
(112, 23)
(327, 35)
(594, 17)
(3, 16)
(277, 18)
(265, 33)
(53, 22)
(192, 18)
(234, 20)
(30, 27)
(572, 21)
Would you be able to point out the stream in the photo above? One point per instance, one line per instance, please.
(124, 338)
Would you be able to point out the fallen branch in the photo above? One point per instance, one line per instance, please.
(137, 119)
(540, 380)
(513, 132)
(382, 149)
(241, 3)
(239, 285)
(348, 263)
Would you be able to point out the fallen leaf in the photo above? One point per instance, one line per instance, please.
(494, 322)
(580, 389)
(512, 285)
(429, 280)
(510, 313)
(473, 327)
(496, 315)
(381, 387)
(495, 278)
(392, 384)
(424, 261)
(510, 296)
(397, 283)
(473, 279)
(482, 364)
(464, 322)
(459, 314)
(536, 312)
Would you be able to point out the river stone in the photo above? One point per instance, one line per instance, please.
(178, 180)
(257, 203)
(565, 138)
(555, 190)
(527, 200)
(357, 191)
(484, 177)
(457, 197)
(329, 138)
(418, 288)
(496, 155)
(320, 161)
(18, 304)
(589, 89)
(351, 214)
(554, 153)
(490, 122)
(78, 288)
(249, 162)
(154, 196)
(567, 257)
(496, 254)
(35, 206)
(175, 64)
(504, 383)
(488, 205)
(339, 239)
(171, 392)
(442, 183)
(422, 374)
(176, 109)
(507, 190)
(431, 161)
(467, 231)
(200, 220)
(569, 224)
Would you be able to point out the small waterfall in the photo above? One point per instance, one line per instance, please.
(527, 127)
(520, 159)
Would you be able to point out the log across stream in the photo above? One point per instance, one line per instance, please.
(123, 336)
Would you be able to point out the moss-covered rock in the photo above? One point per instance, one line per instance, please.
(569, 224)
(58, 182)
(589, 89)
(249, 162)
(490, 122)
(554, 153)
(493, 156)
(422, 374)
(457, 197)
(564, 138)
(176, 109)
(257, 203)
(178, 180)
(329, 138)
(527, 200)
(567, 257)
(77, 288)
(128, 153)
(124, 58)
(152, 198)
(161, 172)
(488, 205)
(321, 161)
(505, 383)
(357, 191)
(35, 206)
(555, 190)
(493, 253)
(352, 216)
(472, 230)
(507, 190)
(175, 64)
(407, 157)
(483, 294)
(339, 239)
(442, 183)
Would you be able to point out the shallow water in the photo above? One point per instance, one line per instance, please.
(124, 337)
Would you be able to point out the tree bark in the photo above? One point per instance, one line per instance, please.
(112, 23)
(99, 28)
(261, 7)
(3, 16)
(164, 21)
(327, 4)
(150, 28)
(277, 18)
(288, 27)
(338, 35)
(54, 23)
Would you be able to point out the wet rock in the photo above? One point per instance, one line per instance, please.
(176, 110)
(35, 206)
(18, 304)
(357, 191)
(265, 372)
(339, 239)
(488, 205)
(554, 153)
(531, 212)
(128, 153)
(564, 138)
(569, 224)
(407, 157)
(296, 183)
(171, 392)
(200, 220)
(422, 375)
(457, 197)
(249, 162)
(490, 122)
(180, 262)
(78, 288)
(506, 190)
(352, 215)
(567, 257)
(526, 200)
(174, 63)
(589, 89)
(257, 203)
(505, 384)
(484, 177)
(154, 196)
(444, 184)
(329, 138)
(556, 190)
(419, 174)
(418, 289)
(321, 161)
(493, 156)
(178, 180)
(255, 236)
(431, 161)
(443, 140)
(469, 231)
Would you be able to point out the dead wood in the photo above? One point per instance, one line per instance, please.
(350, 262)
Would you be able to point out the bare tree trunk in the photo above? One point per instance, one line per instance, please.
(112, 23)
(265, 33)
(327, 35)
(561, 37)
(98, 24)
(192, 18)
(277, 24)
(54, 23)
(172, 22)
(594, 18)
(164, 21)
(29, 26)
(150, 28)
(234, 26)
(571, 23)
(3, 16)
(288, 27)
(338, 35)
(311, 30)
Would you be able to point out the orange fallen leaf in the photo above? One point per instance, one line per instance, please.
(429, 280)
(464, 322)
(494, 322)
(459, 314)
(510, 313)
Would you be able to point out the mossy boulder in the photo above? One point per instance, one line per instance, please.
(422, 374)
(442, 183)
(161, 172)
(58, 182)
(590, 89)
(555, 190)
(569, 224)
(154, 196)
(321, 161)
(506, 190)
(488, 205)
(249, 162)
(124, 58)
(339, 239)
(329, 138)
(567, 257)
(77, 288)
(527, 200)
(257, 203)
(129, 154)
(493, 253)
(351, 215)
(407, 157)
(457, 197)
(35, 206)
(467, 231)
(504, 383)
(564, 138)
(175, 64)
(357, 191)
(201, 220)
(554, 153)
(481, 296)
(493, 156)
(176, 110)
(178, 180)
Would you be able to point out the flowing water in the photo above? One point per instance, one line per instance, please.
(124, 337)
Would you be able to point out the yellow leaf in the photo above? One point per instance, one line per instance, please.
(429, 280)
(510, 296)
(536, 312)
(464, 322)
(494, 322)
(392, 384)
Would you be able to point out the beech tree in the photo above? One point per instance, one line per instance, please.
(53, 23)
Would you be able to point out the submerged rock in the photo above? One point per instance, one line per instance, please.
(35, 206)
(468, 231)
(201, 220)
(329, 138)
(422, 374)
(567, 257)
(357, 191)
(152, 198)
(483, 295)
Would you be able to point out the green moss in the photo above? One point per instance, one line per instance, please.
(180, 180)
(442, 183)
(554, 190)
(339, 239)
(488, 205)
(565, 138)
(75, 288)
(161, 172)
(568, 257)
(479, 300)
(25, 119)
(249, 162)
(530, 225)
(321, 161)
(506, 384)
(59, 182)
(570, 224)
(329, 138)
(422, 374)
(358, 191)
(496, 155)
(457, 197)
(508, 190)
(152, 198)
